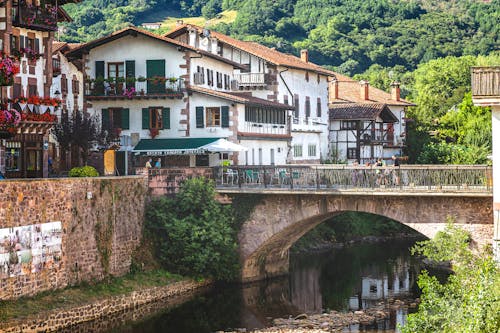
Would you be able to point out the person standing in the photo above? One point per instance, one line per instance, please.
(148, 163)
(158, 163)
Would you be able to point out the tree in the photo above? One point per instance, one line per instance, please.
(469, 301)
(193, 233)
(80, 131)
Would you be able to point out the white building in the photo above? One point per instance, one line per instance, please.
(366, 123)
(486, 92)
(171, 99)
(277, 77)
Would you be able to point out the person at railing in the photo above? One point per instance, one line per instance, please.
(380, 172)
(158, 163)
(149, 164)
(356, 175)
(395, 172)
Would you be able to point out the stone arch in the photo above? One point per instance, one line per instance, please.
(278, 221)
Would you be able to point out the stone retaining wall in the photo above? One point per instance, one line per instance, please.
(101, 220)
(139, 301)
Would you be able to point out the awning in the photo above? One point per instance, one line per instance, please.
(186, 146)
(223, 146)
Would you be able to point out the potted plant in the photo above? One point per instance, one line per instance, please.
(153, 132)
(9, 121)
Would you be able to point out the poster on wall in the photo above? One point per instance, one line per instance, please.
(30, 249)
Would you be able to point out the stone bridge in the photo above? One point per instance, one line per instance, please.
(280, 217)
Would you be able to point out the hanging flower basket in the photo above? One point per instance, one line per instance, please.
(9, 122)
(8, 69)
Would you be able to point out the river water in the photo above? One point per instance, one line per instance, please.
(351, 278)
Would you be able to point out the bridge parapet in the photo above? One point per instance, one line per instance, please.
(405, 178)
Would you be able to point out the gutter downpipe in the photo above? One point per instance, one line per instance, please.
(288, 157)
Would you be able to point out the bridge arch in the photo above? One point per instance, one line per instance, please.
(279, 220)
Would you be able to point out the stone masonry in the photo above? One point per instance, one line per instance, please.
(279, 220)
(101, 221)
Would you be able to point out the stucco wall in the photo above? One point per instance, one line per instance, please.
(101, 226)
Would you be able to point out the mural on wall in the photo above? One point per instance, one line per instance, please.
(30, 249)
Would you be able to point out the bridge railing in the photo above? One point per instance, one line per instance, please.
(405, 177)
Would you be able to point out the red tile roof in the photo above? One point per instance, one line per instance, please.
(134, 30)
(239, 98)
(350, 92)
(261, 51)
(362, 111)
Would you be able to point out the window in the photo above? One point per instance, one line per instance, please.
(307, 76)
(285, 99)
(265, 115)
(155, 117)
(318, 78)
(13, 43)
(351, 153)
(318, 107)
(297, 151)
(13, 156)
(296, 105)
(17, 90)
(308, 107)
(213, 117)
(226, 82)
(75, 86)
(348, 124)
(32, 91)
(115, 117)
(219, 80)
(116, 69)
(312, 150)
(210, 77)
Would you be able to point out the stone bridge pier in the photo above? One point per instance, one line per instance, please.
(279, 219)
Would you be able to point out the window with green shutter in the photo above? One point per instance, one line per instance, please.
(166, 118)
(145, 118)
(155, 69)
(224, 116)
(105, 118)
(130, 73)
(125, 119)
(200, 122)
(99, 69)
(99, 73)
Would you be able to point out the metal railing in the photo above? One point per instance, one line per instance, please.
(265, 128)
(485, 81)
(131, 89)
(463, 178)
(251, 79)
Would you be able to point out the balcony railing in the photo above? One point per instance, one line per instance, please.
(265, 128)
(485, 82)
(150, 87)
(34, 17)
(250, 80)
(307, 123)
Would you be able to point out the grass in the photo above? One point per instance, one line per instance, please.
(83, 294)
(227, 16)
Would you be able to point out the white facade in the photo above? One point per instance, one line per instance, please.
(72, 97)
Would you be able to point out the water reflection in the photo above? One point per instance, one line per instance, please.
(358, 277)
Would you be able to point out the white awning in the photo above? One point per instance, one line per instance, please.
(223, 146)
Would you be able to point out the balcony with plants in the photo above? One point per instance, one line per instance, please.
(134, 88)
(29, 16)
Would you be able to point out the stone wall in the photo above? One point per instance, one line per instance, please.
(140, 303)
(166, 181)
(101, 221)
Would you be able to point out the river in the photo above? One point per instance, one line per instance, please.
(345, 279)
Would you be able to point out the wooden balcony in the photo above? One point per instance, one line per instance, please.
(249, 80)
(485, 83)
(35, 17)
(98, 90)
(265, 128)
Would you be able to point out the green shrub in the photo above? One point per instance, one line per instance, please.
(469, 301)
(193, 233)
(85, 171)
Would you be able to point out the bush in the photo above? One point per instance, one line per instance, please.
(194, 234)
(469, 301)
(85, 171)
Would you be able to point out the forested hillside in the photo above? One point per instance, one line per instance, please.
(427, 45)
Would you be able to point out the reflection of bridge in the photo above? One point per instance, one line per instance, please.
(289, 201)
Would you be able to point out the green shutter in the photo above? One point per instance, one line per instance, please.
(130, 72)
(99, 69)
(165, 115)
(37, 45)
(145, 118)
(155, 68)
(105, 118)
(21, 42)
(224, 117)
(125, 119)
(200, 122)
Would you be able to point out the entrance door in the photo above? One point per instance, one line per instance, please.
(272, 156)
(155, 70)
(34, 164)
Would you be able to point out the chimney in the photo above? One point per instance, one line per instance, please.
(179, 23)
(304, 55)
(395, 91)
(335, 89)
(364, 89)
